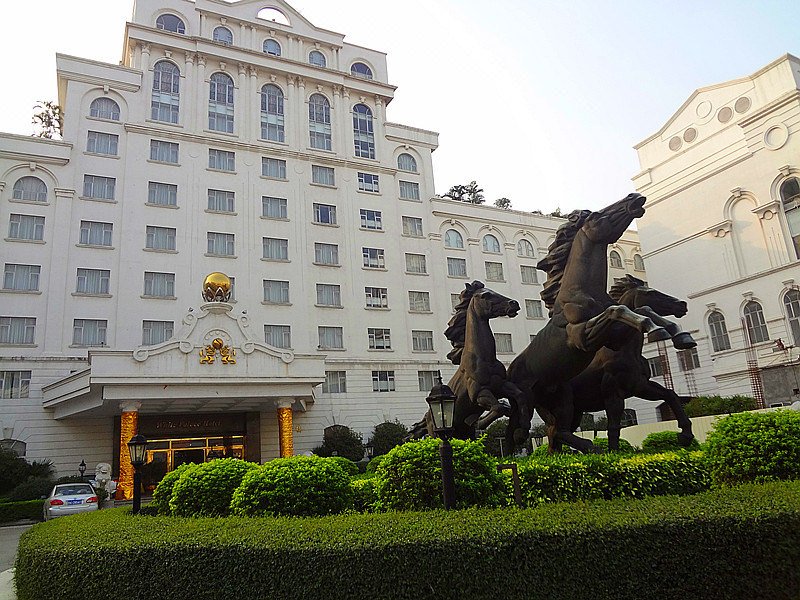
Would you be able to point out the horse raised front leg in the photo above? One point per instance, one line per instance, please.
(682, 340)
(622, 314)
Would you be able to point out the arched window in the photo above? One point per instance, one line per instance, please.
(359, 69)
(223, 35)
(104, 108)
(614, 259)
(319, 122)
(719, 332)
(490, 244)
(525, 248)
(272, 113)
(453, 239)
(170, 23)
(363, 134)
(638, 262)
(754, 321)
(790, 196)
(315, 57)
(220, 103)
(791, 301)
(272, 47)
(406, 162)
(30, 188)
(166, 92)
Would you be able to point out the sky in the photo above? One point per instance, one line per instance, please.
(539, 101)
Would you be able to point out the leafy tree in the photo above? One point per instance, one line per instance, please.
(342, 441)
(49, 120)
(587, 422)
(503, 203)
(494, 439)
(386, 436)
(467, 193)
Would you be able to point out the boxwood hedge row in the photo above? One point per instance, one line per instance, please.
(21, 511)
(736, 542)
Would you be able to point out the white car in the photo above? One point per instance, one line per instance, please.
(69, 499)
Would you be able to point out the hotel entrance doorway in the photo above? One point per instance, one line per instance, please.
(164, 456)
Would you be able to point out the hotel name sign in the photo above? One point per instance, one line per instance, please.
(206, 424)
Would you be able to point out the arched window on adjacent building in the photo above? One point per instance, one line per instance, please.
(315, 57)
(719, 332)
(525, 248)
(223, 35)
(363, 134)
(359, 69)
(791, 301)
(615, 260)
(30, 188)
(272, 120)
(406, 162)
(104, 108)
(220, 103)
(166, 92)
(319, 122)
(754, 322)
(170, 23)
(272, 47)
(490, 244)
(790, 196)
(453, 239)
(638, 262)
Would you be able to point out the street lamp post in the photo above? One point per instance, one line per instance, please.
(82, 468)
(137, 448)
(442, 402)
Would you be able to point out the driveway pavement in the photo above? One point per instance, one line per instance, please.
(9, 538)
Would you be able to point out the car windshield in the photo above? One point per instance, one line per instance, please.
(73, 490)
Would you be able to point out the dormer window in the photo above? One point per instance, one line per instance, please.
(223, 35)
(272, 47)
(315, 57)
(361, 70)
(171, 23)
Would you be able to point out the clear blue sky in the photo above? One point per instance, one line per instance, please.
(539, 101)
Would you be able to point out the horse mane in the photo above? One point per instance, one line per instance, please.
(624, 284)
(557, 254)
(457, 325)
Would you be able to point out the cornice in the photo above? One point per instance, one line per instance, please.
(793, 266)
(37, 158)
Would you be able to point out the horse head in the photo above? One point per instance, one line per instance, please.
(489, 304)
(635, 293)
(607, 225)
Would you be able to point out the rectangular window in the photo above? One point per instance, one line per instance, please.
(279, 336)
(156, 332)
(162, 194)
(159, 285)
(379, 338)
(416, 263)
(502, 342)
(324, 214)
(494, 271)
(373, 258)
(21, 278)
(656, 366)
(15, 384)
(273, 168)
(166, 152)
(95, 233)
(383, 381)
(221, 201)
(412, 226)
(273, 208)
(377, 297)
(25, 227)
(275, 248)
(528, 274)
(326, 254)
(220, 244)
(323, 175)
(335, 382)
(457, 267)
(160, 238)
(426, 380)
(276, 291)
(422, 341)
(101, 188)
(371, 219)
(102, 143)
(367, 182)
(221, 160)
(533, 309)
(419, 301)
(17, 330)
(409, 190)
(329, 294)
(330, 338)
(455, 300)
(89, 332)
(688, 359)
(93, 281)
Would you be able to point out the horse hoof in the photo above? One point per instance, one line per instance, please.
(684, 341)
(659, 334)
(685, 439)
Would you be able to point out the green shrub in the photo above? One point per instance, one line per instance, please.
(666, 441)
(410, 476)
(41, 469)
(347, 465)
(33, 489)
(296, 486)
(702, 406)
(13, 470)
(207, 489)
(163, 491)
(26, 510)
(374, 463)
(342, 441)
(625, 447)
(755, 447)
(364, 495)
(386, 436)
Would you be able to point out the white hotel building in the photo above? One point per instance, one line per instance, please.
(226, 141)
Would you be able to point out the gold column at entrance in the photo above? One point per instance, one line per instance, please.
(285, 428)
(129, 426)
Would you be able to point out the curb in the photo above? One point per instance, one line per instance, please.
(7, 590)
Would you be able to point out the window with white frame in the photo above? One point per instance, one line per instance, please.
(166, 152)
(615, 260)
(272, 47)
(317, 58)
(99, 188)
(29, 188)
(416, 263)
(223, 35)
(638, 262)
(162, 194)
(329, 294)
(490, 244)
(453, 239)
(419, 301)
(367, 182)
(719, 332)
(373, 258)
(455, 300)
(326, 254)
(377, 297)
(104, 108)
(17, 331)
(25, 227)
(220, 244)
(383, 381)
(98, 142)
(656, 366)
(456, 267)
(319, 122)
(221, 201)
(754, 320)
(93, 282)
(330, 338)
(409, 190)
(272, 117)
(528, 274)
(166, 97)
(427, 379)
(221, 160)
(160, 238)
(421, 341)
(169, 22)
(275, 248)
(276, 291)
(220, 103)
(791, 302)
(15, 384)
(406, 162)
(371, 219)
(790, 198)
(96, 233)
(273, 208)
(533, 309)
(412, 227)
(525, 249)
(159, 285)
(89, 332)
(274, 168)
(502, 343)
(494, 271)
(379, 338)
(279, 336)
(156, 332)
(688, 359)
(363, 133)
(21, 278)
(324, 214)
(322, 175)
(335, 382)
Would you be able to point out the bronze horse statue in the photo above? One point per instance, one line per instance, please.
(480, 380)
(583, 319)
(615, 375)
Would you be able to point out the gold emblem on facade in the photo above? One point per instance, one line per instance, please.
(217, 287)
(208, 354)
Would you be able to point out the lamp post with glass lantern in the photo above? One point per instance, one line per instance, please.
(442, 402)
(82, 468)
(137, 448)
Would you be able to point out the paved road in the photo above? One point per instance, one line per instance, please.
(9, 538)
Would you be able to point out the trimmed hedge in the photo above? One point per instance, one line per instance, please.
(21, 511)
(163, 491)
(730, 543)
(666, 441)
(206, 490)
(364, 495)
(347, 465)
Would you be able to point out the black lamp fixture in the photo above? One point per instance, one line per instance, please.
(82, 468)
(137, 447)
(369, 450)
(442, 402)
